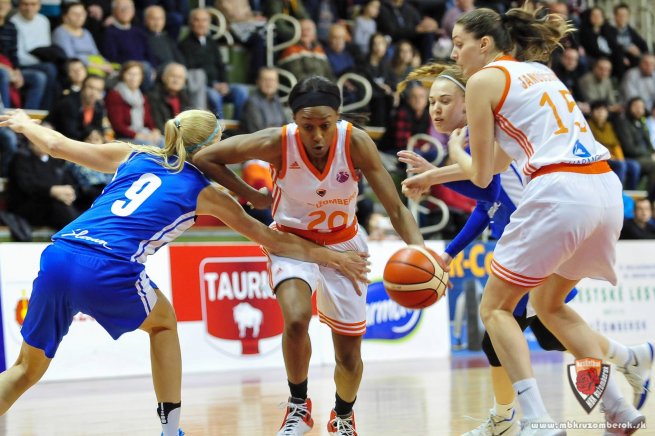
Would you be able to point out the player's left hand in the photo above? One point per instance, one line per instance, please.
(457, 143)
(416, 164)
(262, 200)
(16, 120)
(355, 266)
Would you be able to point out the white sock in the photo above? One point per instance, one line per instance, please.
(612, 397)
(172, 422)
(503, 410)
(528, 396)
(617, 353)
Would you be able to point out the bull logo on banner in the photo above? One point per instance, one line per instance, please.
(238, 303)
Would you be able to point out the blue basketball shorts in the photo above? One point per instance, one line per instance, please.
(117, 293)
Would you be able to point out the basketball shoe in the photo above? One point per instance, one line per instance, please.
(179, 432)
(637, 371)
(298, 419)
(623, 420)
(496, 426)
(543, 426)
(338, 426)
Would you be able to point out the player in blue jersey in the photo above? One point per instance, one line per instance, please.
(495, 205)
(95, 265)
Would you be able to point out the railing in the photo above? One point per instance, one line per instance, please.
(368, 91)
(218, 26)
(271, 47)
(283, 88)
(418, 208)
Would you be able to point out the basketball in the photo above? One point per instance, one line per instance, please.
(413, 278)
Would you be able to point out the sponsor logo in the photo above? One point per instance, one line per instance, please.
(342, 176)
(294, 165)
(321, 192)
(385, 319)
(21, 308)
(580, 150)
(82, 234)
(588, 379)
(238, 304)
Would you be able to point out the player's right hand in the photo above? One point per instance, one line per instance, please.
(16, 120)
(414, 187)
(262, 199)
(416, 164)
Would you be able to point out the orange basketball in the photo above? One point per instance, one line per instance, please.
(413, 278)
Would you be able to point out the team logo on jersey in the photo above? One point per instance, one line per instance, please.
(342, 176)
(385, 319)
(588, 379)
(21, 308)
(294, 165)
(321, 192)
(580, 151)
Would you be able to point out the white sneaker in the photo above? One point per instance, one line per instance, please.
(542, 426)
(637, 371)
(624, 420)
(298, 419)
(496, 426)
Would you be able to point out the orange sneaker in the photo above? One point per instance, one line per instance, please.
(298, 419)
(338, 426)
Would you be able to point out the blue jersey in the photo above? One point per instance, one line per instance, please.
(144, 207)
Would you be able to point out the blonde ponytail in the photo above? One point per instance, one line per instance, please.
(183, 134)
(428, 73)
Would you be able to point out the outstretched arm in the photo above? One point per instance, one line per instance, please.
(264, 145)
(100, 157)
(212, 201)
(365, 156)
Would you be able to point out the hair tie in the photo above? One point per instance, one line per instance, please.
(176, 121)
(190, 149)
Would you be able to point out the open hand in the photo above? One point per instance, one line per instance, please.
(416, 164)
(355, 266)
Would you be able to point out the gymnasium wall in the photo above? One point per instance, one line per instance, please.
(227, 316)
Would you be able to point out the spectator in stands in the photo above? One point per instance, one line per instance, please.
(129, 111)
(76, 72)
(89, 183)
(77, 42)
(248, 29)
(124, 41)
(405, 58)
(177, 13)
(41, 189)
(163, 49)
(284, 31)
(639, 227)
(8, 147)
(12, 81)
(169, 97)
(633, 135)
(411, 118)
(78, 112)
(263, 108)
(378, 71)
(401, 20)
(569, 71)
(459, 8)
(343, 57)
(640, 81)
(33, 32)
(365, 25)
(634, 46)
(598, 38)
(325, 14)
(628, 170)
(307, 57)
(597, 85)
(202, 53)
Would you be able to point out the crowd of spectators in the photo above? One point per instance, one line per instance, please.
(120, 69)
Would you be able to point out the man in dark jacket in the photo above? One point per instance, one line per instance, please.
(81, 111)
(401, 20)
(168, 97)
(640, 226)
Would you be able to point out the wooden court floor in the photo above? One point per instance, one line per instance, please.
(421, 397)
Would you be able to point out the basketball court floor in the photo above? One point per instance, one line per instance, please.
(420, 397)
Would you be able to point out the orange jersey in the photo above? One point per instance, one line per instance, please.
(309, 202)
(537, 121)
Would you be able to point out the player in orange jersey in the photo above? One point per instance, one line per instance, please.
(549, 244)
(315, 163)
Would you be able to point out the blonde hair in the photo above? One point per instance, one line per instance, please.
(428, 73)
(186, 131)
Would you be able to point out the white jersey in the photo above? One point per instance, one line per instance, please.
(308, 201)
(537, 121)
